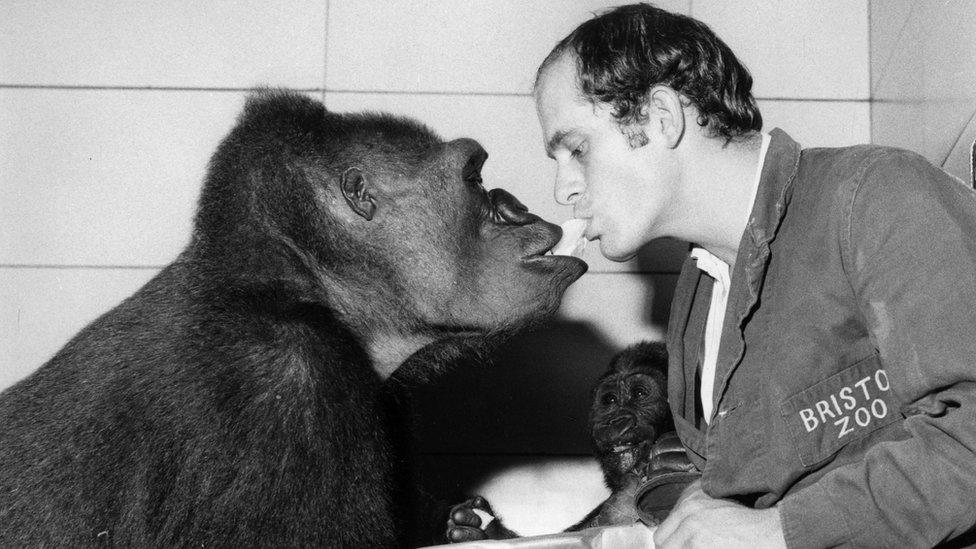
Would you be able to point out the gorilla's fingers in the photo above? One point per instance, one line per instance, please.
(466, 517)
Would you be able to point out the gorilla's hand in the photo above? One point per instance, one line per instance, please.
(474, 520)
(669, 472)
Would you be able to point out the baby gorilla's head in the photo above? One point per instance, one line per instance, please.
(630, 411)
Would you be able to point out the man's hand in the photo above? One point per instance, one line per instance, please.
(699, 520)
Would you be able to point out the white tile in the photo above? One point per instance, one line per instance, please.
(449, 45)
(796, 49)
(41, 309)
(949, 49)
(182, 43)
(820, 123)
(900, 73)
(891, 22)
(898, 124)
(949, 80)
(104, 177)
(924, 93)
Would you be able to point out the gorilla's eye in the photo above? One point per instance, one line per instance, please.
(638, 393)
(608, 399)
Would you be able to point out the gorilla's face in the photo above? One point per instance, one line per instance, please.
(629, 412)
(484, 255)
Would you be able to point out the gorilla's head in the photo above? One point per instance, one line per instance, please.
(630, 410)
(378, 219)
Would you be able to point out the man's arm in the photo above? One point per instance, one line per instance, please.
(910, 253)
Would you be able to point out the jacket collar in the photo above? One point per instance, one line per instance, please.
(775, 191)
(748, 274)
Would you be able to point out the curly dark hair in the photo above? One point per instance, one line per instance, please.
(622, 53)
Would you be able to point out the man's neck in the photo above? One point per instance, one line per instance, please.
(720, 179)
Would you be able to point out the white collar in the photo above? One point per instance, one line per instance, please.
(709, 262)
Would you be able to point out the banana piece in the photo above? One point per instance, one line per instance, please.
(572, 243)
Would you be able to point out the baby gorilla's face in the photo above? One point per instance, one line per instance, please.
(629, 412)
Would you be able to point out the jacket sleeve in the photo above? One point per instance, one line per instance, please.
(909, 246)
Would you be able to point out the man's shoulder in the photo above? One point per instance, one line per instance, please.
(860, 159)
(858, 168)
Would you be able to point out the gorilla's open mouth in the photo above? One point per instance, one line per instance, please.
(630, 454)
(538, 256)
(626, 456)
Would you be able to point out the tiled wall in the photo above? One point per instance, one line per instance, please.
(109, 111)
(923, 79)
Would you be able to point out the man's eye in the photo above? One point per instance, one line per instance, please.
(578, 151)
(474, 179)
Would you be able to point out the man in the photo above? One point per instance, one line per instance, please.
(823, 329)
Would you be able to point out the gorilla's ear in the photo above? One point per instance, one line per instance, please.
(355, 190)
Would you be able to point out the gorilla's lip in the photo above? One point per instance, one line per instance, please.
(549, 244)
(543, 251)
(556, 259)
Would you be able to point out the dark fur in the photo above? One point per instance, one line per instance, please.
(232, 401)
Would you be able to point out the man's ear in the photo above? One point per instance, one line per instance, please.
(355, 189)
(668, 114)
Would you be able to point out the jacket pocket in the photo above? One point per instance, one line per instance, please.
(845, 407)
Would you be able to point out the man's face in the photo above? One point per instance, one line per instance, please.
(626, 194)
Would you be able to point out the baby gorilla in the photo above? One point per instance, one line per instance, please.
(633, 438)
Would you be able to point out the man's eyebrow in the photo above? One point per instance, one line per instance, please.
(557, 138)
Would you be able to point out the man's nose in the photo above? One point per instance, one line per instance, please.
(569, 185)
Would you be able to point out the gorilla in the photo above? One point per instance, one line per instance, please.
(633, 438)
(241, 397)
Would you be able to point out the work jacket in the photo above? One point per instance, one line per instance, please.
(845, 387)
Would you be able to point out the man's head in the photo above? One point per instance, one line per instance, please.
(623, 53)
(613, 98)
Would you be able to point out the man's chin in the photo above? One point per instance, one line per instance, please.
(619, 256)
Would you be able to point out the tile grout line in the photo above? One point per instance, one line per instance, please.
(958, 139)
(325, 90)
